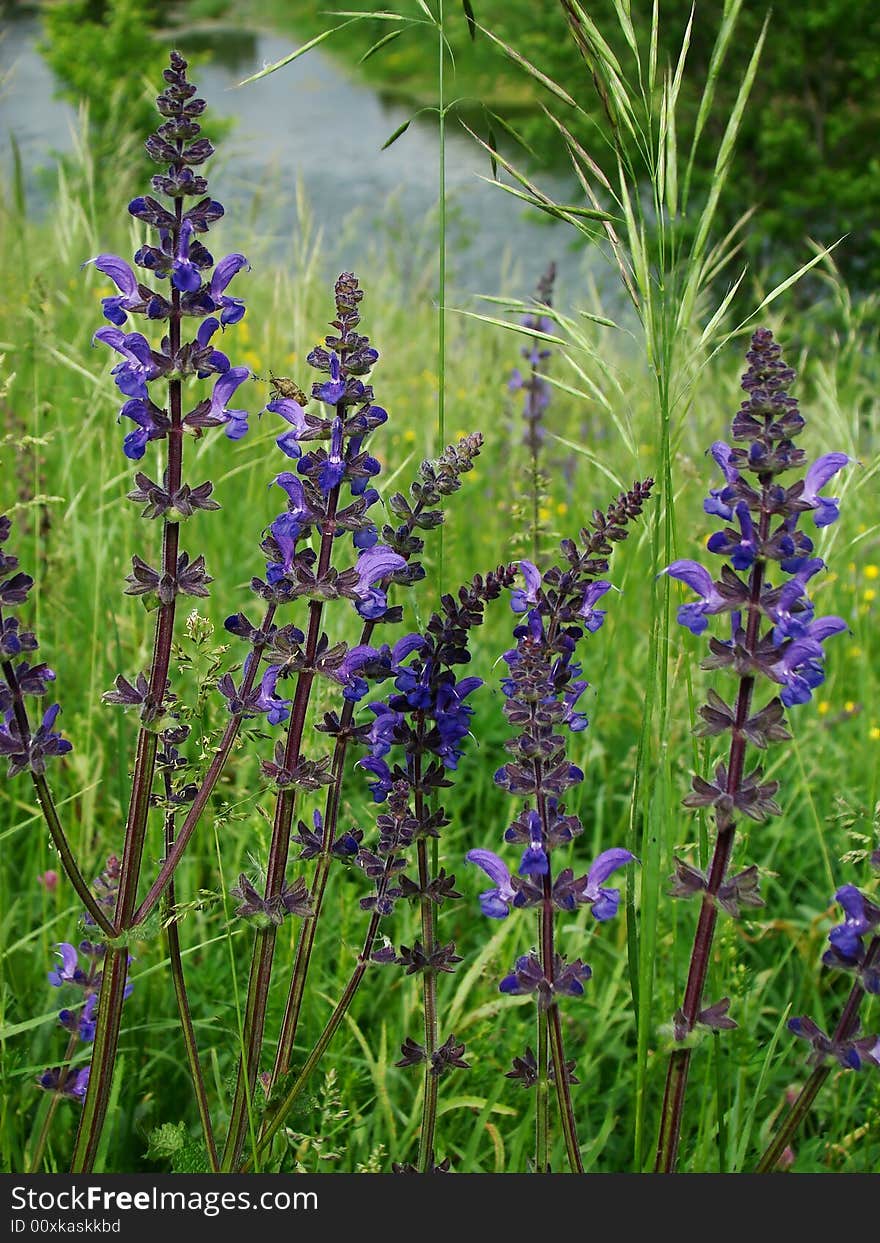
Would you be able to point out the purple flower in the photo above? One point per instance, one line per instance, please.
(332, 471)
(152, 424)
(494, 902)
(373, 566)
(236, 420)
(116, 308)
(521, 600)
(276, 709)
(593, 618)
(862, 917)
(740, 548)
(293, 413)
(333, 390)
(231, 309)
(605, 901)
(693, 616)
(718, 500)
(185, 276)
(138, 365)
(68, 970)
(817, 476)
(66, 1082)
(534, 861)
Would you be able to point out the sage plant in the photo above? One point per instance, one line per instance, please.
(543, 689)
(774, 636)
(536, 396)
(423, 724)
(847, 952)
(153, 378)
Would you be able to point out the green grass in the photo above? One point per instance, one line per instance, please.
(626, 404)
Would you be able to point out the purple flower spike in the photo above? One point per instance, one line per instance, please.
(494, 902)
(521, 600)
(693, 616)
(605, 901)
(823, 469)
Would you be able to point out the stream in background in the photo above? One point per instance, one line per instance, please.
(311, 121)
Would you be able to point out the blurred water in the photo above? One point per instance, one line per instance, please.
(310, 121)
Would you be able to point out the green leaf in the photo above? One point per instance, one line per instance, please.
(383, 42)
(398, 133)
(191, 1159)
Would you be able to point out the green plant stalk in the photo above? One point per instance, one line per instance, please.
(50, 811)
(846, 1028)
(679, 1062)
(183, 1010)
(115, 971)
(199, 803)
(276, 1120)
(264, 947)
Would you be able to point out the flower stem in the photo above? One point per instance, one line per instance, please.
(199, 803)
(183, 1010)
(309, 928)
(276, 1121)
(846, 1028)
(679, 1062)
(425, 1159)
(542, 1098)
(264, 947)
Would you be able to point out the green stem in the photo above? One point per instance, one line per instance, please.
(183, 1010)
(37, 1158)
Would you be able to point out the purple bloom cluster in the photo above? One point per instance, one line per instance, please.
(542, 689)
(197, 288)
(847, 950)
(766, 514)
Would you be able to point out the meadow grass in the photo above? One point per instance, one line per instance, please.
(647, 399)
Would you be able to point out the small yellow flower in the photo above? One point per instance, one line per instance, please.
(855, 651)
(872, 571)
(543, 513)
(409, 435)
(869, 594)
(244, 332)
(253, 360)
(874, 733)
(824, 705)
(849, 707)
(562, 509)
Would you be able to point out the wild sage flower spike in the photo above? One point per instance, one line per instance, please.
(180, 258)
(534, 387)
(772, 635)
(848, 951)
